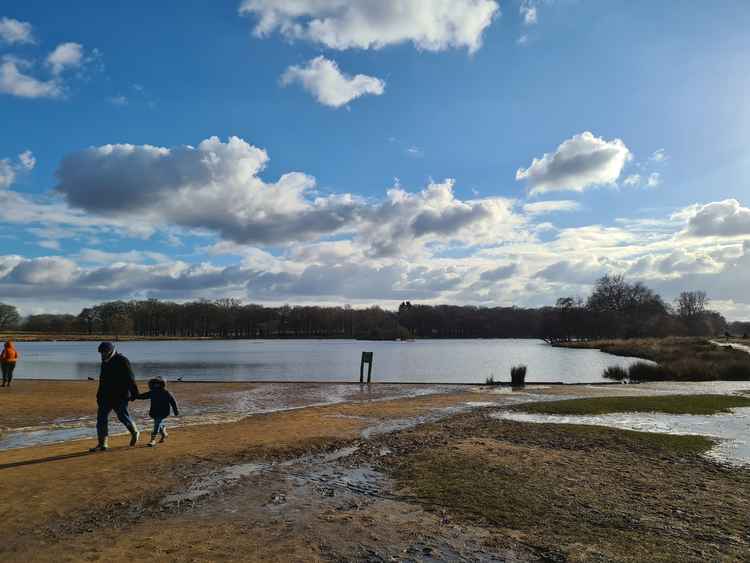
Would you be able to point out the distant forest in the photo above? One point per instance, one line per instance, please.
(616, 308)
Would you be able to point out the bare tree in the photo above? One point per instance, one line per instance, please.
(9, 317)
(691, 304)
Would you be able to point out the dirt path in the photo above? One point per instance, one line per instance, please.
(59, 491)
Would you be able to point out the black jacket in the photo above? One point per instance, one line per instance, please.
(116, 382)
(161, 400)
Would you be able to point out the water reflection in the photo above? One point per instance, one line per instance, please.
(428, 361)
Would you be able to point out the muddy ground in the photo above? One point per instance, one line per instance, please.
(417, 479)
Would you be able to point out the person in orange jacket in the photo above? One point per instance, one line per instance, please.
(8, 359)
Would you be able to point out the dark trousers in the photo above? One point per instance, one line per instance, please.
(102, 418)
(8, 368)
(159, 426)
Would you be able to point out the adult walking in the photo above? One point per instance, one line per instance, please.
(116, 387)
(8, 360)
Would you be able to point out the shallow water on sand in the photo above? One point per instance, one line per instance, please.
(232, 406)
(733, 429)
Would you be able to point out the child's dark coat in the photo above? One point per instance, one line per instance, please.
(161, 401)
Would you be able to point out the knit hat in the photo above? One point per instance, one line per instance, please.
(107, 347)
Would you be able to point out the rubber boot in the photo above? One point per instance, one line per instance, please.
(164, 435)
(134, 435)
(152, 443)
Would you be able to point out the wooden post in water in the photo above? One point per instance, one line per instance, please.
(366, 359)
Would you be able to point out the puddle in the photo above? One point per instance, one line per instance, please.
(359, 478)
(732, 429)
(435, 415)
(742, 347)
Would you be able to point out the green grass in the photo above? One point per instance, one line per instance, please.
(670, 404)
(571, 490)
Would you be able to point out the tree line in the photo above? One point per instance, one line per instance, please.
(616, 308)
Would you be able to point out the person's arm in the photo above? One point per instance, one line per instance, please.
(131, 378)
(174, 405)
(146, 395)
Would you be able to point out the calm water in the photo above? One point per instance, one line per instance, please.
(427, 361)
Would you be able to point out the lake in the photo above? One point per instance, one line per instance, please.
(422, 361)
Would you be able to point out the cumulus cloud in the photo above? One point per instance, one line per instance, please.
(24, 210)
(9, 169)
(433, 25)
(51, 270)
(727, 218)
(578, 163)
(395, 226)
(65, 56)
(554, 206)
(15, 81)
(213, 186)
(216, 186)
(659, 155)
(14, 31)
(632, 181)
(323, 79)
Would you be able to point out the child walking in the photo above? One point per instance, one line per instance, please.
(161, 401)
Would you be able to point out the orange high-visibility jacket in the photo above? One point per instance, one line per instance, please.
(9, 354)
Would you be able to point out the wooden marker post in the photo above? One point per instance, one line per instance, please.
(366, 359)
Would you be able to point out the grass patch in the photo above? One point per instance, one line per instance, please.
(580, 493)
(670, 404)
(678, 359)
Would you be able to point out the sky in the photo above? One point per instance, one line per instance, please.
(477, 152)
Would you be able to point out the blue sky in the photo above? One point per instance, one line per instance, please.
(408, 144)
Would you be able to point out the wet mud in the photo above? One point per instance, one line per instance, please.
(374, 476)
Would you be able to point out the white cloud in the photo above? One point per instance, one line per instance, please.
(65, 56)
(27, 160)
(578, 163)
(323, 79)
(7, 173)
(49, 244)
(404, 222)
(543, 207)
(433, 25)
(654, 179)
(216, 187)
(523, 39)
(118, 100)
(95, 256)
(15, 82)
(14, 31)
(22, 210)
(632, 181)
(528, 13)
(659, 155)
(9, 170)
(727, 218)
